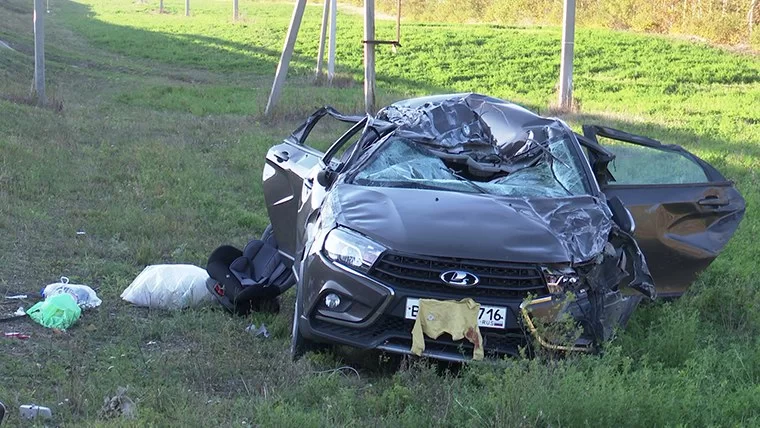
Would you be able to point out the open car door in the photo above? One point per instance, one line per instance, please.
(287, 179)
(685, 210)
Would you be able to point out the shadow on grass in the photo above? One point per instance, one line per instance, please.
(201, 52)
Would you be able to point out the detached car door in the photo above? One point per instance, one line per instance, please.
(685, 210)
(287, 179)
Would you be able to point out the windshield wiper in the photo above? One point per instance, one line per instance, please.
(466, 180)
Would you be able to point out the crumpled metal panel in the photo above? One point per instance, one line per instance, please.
(550, 230)
(449, 125)
(499, 136)
(681, 232)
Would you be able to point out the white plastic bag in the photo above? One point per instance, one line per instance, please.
(169, 287)
(84, 295)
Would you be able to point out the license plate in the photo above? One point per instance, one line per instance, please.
(489, 316)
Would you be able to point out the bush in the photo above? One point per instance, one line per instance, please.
(721, 21)
(728, 302)
(524, 11)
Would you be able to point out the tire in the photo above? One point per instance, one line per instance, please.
(299, 345)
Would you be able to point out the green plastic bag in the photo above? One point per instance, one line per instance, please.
(59, 311)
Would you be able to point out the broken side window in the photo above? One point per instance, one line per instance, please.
(636, 164)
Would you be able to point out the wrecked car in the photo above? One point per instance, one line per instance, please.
(466, 196)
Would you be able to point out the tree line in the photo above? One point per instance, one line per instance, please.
(720, 21)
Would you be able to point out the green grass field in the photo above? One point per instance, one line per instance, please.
(156, 154)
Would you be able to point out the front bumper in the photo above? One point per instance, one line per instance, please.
(372, 315)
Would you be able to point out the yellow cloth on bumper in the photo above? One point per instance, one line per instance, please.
(459, 319)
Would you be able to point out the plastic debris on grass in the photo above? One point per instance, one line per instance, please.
(85, 296)
(260, 331)
(169, 287)
(32, 411)
(59, 311)
(120, 405)
(17, 335)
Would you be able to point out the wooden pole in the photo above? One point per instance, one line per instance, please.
(333, 35)
(322, 34)
(39, 52)
(566, 66)
(369, 56)
(287, 53)
(187, 7)
(398, 21)
(234, 10)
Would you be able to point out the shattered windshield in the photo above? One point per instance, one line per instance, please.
(473, 143)
(401, 162)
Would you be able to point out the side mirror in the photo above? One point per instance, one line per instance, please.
(325, 177)
(621, 216)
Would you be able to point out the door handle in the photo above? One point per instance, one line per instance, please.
(713, 201)
(282, 156)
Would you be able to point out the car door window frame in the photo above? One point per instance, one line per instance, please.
(603, 157)
(592, 186)
(340, 142)
(301, 133)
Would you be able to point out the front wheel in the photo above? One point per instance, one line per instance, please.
(300, 345)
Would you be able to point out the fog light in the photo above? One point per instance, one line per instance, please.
(332, 301)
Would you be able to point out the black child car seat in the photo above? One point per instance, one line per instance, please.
(249, 280)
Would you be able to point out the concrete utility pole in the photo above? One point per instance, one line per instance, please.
(566, 66)
(187, 7)
(333, 35)
(369, 56)
(322, 34)
(287, 53)
(161, 6)
(39, 52)
(398, 23)
(234, 10)
(290, 41)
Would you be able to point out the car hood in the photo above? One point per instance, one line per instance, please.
(475, 226)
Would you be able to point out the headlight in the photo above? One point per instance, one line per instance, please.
(351, 249)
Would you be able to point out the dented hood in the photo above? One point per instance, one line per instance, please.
(486, 227)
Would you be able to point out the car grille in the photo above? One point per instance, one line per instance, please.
(497, 279)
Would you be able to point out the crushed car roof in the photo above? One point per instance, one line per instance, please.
(490, 135)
